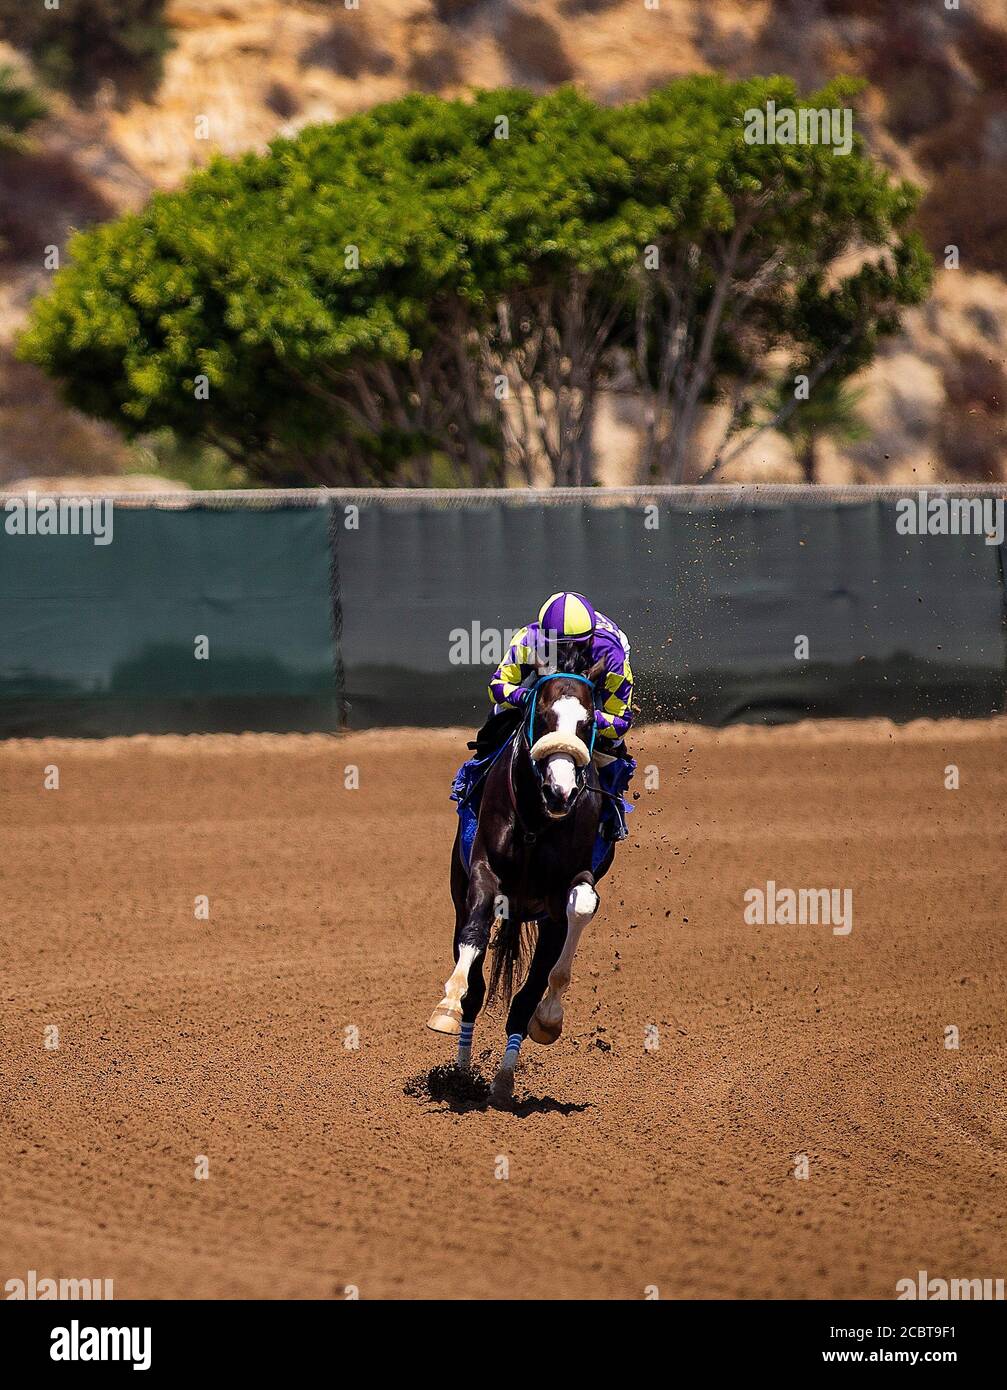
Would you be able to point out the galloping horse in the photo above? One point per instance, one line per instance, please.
(531, 862)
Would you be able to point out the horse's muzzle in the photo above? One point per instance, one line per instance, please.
(559, 800)
(559, 803)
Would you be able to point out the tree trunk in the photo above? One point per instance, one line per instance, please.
(809, 457)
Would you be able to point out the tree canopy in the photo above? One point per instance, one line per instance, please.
(79, 43)
(457, 280)
(20, 107)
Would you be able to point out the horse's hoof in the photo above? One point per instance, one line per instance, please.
(446, 1019)
(544, 1033)
(502, 1090)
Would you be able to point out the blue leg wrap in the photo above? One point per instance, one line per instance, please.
(465, 1044)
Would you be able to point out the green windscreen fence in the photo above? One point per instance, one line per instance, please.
(715, 599)
(322, 610)
(190, 619)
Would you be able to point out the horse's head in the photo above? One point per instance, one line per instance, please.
(560, 735)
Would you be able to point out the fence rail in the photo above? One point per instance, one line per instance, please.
(681, 495)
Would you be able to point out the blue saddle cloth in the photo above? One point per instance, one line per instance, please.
(467, 790)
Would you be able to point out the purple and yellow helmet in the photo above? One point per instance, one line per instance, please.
(569, 616)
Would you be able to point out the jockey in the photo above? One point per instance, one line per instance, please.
(571, 636)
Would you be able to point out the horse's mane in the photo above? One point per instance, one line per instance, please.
(573, 658)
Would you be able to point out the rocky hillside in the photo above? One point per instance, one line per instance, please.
(240, 71)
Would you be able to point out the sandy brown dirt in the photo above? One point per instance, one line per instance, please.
(628, 1168)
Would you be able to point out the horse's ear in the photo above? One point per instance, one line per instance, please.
(597, 671)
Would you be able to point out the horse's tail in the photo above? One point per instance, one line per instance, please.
(511, 952)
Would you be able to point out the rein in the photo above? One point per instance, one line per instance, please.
(529, 836)
(528, 734)
(529, 731)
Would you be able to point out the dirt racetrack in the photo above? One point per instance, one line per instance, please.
(629, 1168)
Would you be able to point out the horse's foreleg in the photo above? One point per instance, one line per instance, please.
(551, 936)
(472, 1002)
(581, 905)
(547, 949)
(471, 941)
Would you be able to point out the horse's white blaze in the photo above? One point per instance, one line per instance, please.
(569, 712)
(561, 772)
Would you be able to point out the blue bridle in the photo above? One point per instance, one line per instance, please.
(558, 675)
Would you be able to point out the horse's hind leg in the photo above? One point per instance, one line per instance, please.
(472, 934)
(581, 905)
(547, 949)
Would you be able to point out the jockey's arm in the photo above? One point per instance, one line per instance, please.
(615, 714)
(505, 686)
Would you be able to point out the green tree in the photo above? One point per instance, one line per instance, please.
(749, 246)
(81, 43)
(443, 287)
(830, 412)
(325, 292)
(20, 107)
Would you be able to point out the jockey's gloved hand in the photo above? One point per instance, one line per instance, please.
(600, 722)
(521, 696)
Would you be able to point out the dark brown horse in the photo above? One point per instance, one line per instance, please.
(530, 863)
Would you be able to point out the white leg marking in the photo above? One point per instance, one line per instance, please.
(457, 986)
(581, 906)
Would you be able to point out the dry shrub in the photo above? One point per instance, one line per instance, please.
(973, 428)
(917, 77)
(860, 9)
(917, 99)
(39, 434)
(975, 381)
(984, 48)
(282, 101)
(967, 207)
(448, 10)
(574, 7)
(533, 45)
(434, 66)
(42, 194)
(350, 49)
